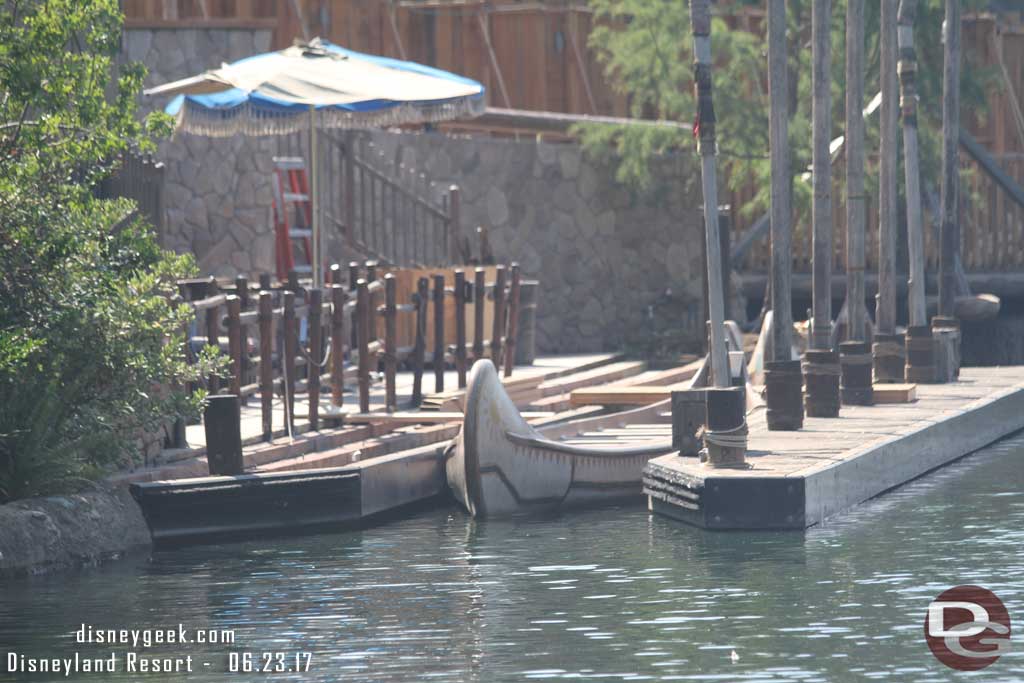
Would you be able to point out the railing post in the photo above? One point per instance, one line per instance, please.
(439, 333)
(363, 334)
(499, 315)
(479, 298)
(242, 292)
(338, 297)
(222, 423)
(354, 269)
(212, 333)
(460, 326)
(293, 281)
(454, 231)
(235, 343)
(371, 276)
(288, 362)
(420, 349)
(513, 321)
(350, 192)
(266, 362)
(390, 350)
(316, 299)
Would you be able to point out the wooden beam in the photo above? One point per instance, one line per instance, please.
(856, 200)
(622, 396)
(912, 180)
(821, 208)
(885, 308)
(483, 18)
(895, 393)
(780, 211)
(950, 190)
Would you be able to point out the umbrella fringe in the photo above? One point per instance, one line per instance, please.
(252, 119)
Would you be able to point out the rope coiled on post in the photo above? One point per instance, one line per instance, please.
(725, 438)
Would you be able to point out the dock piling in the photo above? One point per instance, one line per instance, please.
(479, 297)
(420, 348)
(235, 343)
(513, 320)
(920, 368)
(222, 423)
(498, 330)
(390, 343)
(855, 362)
(338, 298)
(888, 352)
(438, 355)
(363, 335)
(821, 377)
(783, 383)
(291, 343)
(725, 433)
(315, 357)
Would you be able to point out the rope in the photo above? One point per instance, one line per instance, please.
(812, 368)
(725, 438)
(309, 359)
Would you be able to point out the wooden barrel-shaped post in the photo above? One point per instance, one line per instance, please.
(498, 329)
(235, 343)
(265, 282)
(855, 362)
(946, 330)
(688, 415)
(438, 333)
(920, 366)
(888, 352)
(245, 303)
(479, 298)
(222, 423)
(420, 348)
(460, 327)
(266, 362)
(213, 333)
(513, 320)
(821, 378)
(390, 342)
(725, 431)
(338, 298)
(316, 352)
(783, 385)
(363, 344)
(291, 348)
(293, 281)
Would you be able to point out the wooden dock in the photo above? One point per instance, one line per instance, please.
(798, 479)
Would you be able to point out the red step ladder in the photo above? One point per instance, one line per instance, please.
(293, 215)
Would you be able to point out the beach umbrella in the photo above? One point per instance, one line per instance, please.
(313, 85)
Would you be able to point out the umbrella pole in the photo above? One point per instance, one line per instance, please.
(314, 198)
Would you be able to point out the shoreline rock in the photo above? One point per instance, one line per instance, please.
(40, 535)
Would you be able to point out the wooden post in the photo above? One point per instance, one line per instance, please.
(855, 359)
(235, 343)
(725, 435)
(438, 333)
(498, 330)
(855, 198)
(821, 208)
(293, 281)
(821, 378)
(460, 326)
(266, 363)
(689, 408)
(390, 342)
(907, 70)
(334, 274)
(781, 214)
(949, 237)
(363, 334)
(348, 177)
(338, 298)
(353, 277)
(371, 276)
(783, 382)
(700, 18)
(420, 348)
(479, 297)
(316, 352)
(291, 344)
(245, 303)
(222, 423)
(885, 307)
(265, 282)
(454, 235)
(513, 321)
(213, 333)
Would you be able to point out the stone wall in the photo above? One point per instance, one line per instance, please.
(604, 254)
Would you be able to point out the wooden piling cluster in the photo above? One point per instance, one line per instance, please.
(305, 334)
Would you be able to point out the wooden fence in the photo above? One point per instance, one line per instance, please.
(283, 339)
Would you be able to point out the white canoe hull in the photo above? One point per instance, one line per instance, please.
(499, 465)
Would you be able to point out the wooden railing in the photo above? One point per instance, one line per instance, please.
(398, 217)
(285, 339)
(141, 178)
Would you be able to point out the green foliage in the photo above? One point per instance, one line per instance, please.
(90, 340)
(646, 49)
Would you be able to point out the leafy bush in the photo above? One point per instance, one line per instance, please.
(90, 339)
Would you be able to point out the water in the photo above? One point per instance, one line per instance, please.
(613, 594)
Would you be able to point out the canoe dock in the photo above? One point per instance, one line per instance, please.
(797, 479)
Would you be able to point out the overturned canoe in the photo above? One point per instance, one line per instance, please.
(500, 465)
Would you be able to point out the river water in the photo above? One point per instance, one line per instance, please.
(614, 594)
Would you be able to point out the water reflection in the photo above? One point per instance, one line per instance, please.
(613, 594)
